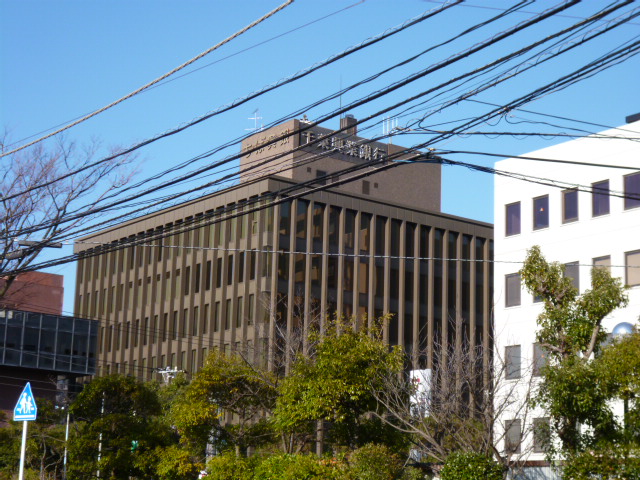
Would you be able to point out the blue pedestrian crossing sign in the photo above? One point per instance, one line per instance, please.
(26, 408)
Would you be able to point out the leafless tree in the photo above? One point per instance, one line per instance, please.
(40, 204)
(451, 408)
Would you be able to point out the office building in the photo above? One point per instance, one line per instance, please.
(253, 283)
(40, 345)
(581, 216)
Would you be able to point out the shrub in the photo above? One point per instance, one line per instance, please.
(296, 467)
(471, 466)
(230, 467)
(374, 462)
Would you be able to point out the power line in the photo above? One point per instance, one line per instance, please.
(414, 77)
(153, 82)
(238, 102)
(177, 77)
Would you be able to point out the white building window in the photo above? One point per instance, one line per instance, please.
(512, 436)
(541, 435)
(632, 267)
(513, 219)
(569, 205)
(541, 212)
(572, 271)
(602, 262)
(512, 359)
(632, 191)
(600, 198)
(512, 290)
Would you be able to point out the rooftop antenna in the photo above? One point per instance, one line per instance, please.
(255, 119)
(389, 125)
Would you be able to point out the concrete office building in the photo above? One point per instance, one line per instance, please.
(249, 283)
(591, 217)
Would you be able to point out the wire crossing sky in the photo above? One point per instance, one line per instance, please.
(563, 68)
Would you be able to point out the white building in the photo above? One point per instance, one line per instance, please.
(580, 215)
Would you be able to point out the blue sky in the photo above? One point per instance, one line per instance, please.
(60, 60)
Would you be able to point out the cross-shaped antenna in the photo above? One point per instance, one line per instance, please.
(255, 119)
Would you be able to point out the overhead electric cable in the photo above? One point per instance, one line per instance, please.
(153, 82)
(243, 100)
(177, 77)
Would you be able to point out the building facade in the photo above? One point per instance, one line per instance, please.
(40, 345)
(580, 215)
(256, 282)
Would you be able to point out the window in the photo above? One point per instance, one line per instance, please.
(229, 269)
(602, 262)
(569, 206)
(512, 290)
(239, 312)
(321, 174)
(632, 268)
(632, 191)
(513, 219)
(539, 359)
(572, 271)
(366, 187)
(512, 436)
(541, 212)
(512, 360)
(541, 435)
(600, 198)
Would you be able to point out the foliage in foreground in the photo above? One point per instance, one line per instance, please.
(336, 384)
(584, 377)
(471, 466)
(371, 462)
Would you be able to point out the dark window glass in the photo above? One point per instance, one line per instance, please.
(229, 269)
(600, 198)
(541, 212)
(334, 227)
(569, 206)
(513, 219)
(349, 229)
(512, 289)
(572, 271)
(252, 266)
(320, 175)
(512, 359)
(241, 267)
(219, 273)
(207, 281)
(512, 437)
(380, 235)
(366, 187)
(632, 191)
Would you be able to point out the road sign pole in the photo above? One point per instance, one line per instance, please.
(23, 449)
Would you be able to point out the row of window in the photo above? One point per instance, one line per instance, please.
(513, 286)
(600, 204)
(208, 236)
(178, 325)
(180, 362)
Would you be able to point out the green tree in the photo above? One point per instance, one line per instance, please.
(336, 381)
(584, 378)
(111, 413)
(45, 443)
(225, 405)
